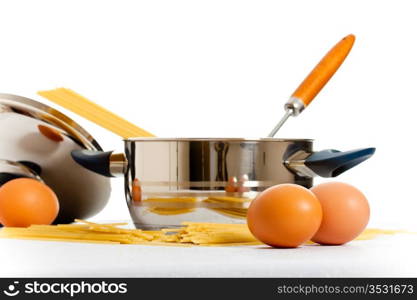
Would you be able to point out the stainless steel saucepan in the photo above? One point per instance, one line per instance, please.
(36, 142)
(168, 181)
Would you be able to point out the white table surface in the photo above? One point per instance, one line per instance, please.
(385, 256)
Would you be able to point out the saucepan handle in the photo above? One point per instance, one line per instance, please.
(108, 164)
(328, 163)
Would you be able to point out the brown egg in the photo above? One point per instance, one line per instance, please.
(25, 201)
(345, 213)
(285, 215)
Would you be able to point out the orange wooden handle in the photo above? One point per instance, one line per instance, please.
(325, 69)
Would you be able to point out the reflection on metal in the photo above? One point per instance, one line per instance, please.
(295, 105)
(222, 175)
(296, 163)
(221, 149)
(231, 186)
(51, 133)
(10, 170)
(118, 164)
(242, 184)
(136, 191)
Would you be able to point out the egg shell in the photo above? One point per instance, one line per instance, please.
(285, 215)
(345, 213)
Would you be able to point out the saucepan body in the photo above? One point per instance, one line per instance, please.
(170, 181)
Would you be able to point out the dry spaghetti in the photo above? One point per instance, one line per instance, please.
(192, 233)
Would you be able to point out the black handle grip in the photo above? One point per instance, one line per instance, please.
(331, 163)
(96, 161)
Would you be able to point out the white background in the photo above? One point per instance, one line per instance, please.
(225, 69)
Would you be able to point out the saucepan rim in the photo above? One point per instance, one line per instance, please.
(196, 139)
(46, 113)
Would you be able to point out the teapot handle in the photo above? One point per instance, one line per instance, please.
(108, 164)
